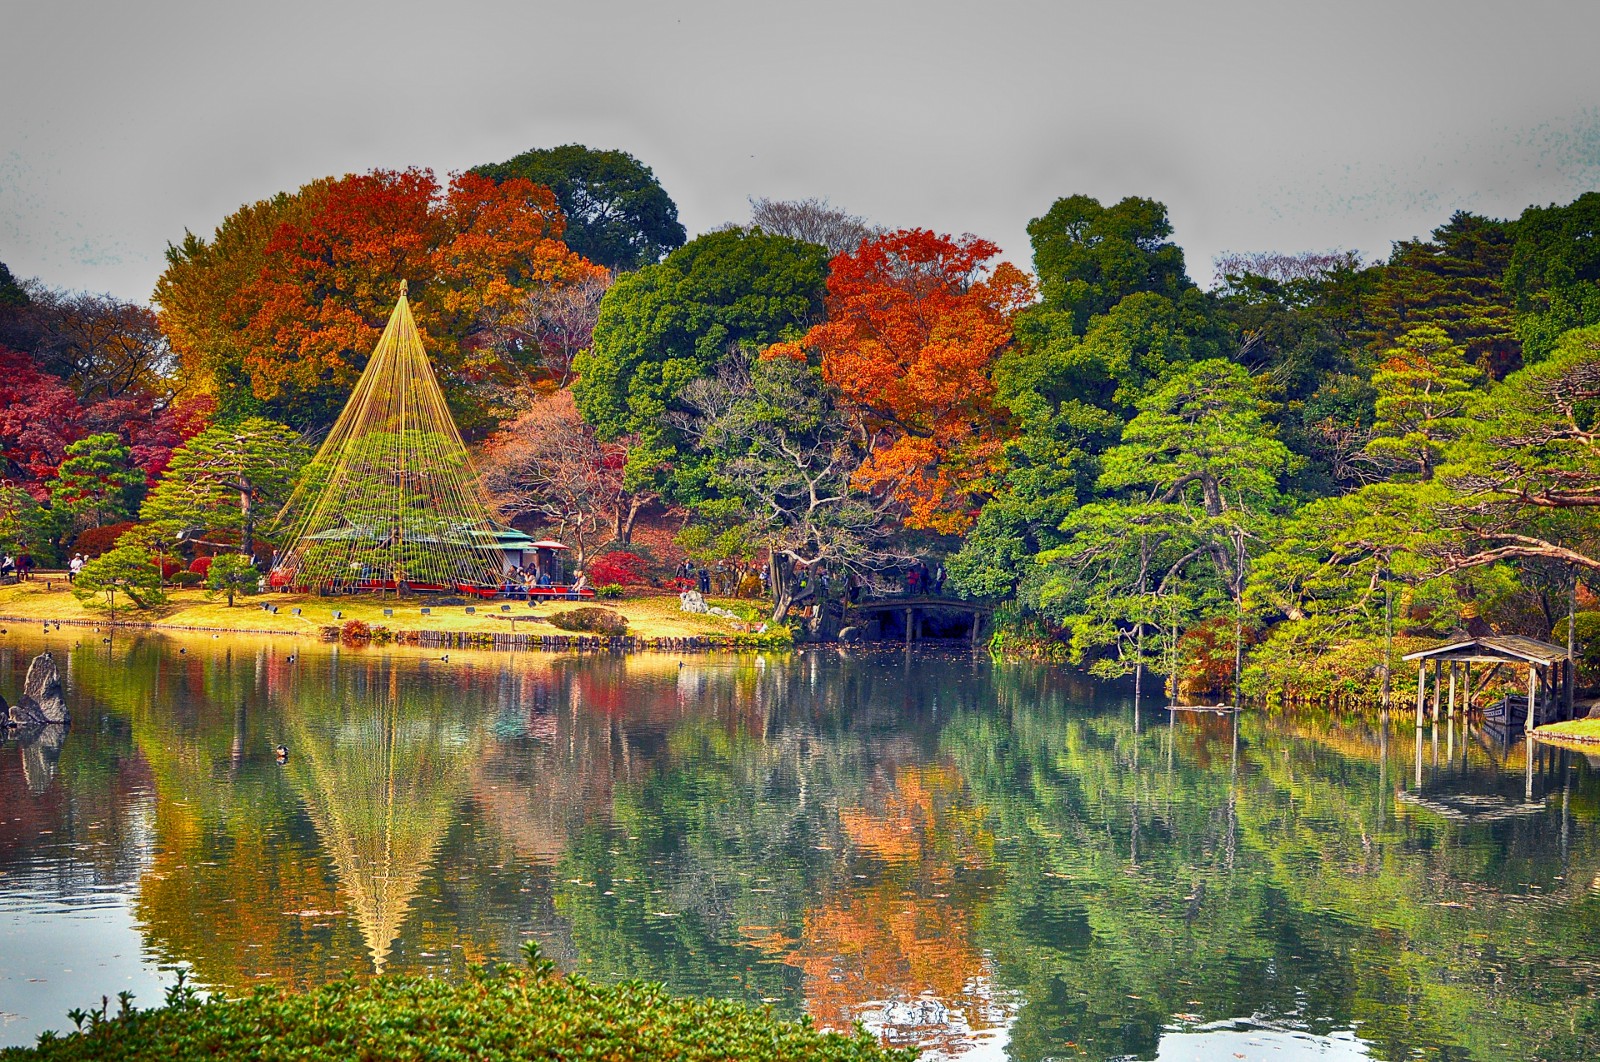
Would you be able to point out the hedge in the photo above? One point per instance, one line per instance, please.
(496, 1015)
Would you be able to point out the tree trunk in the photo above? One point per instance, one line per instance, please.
(247, 513)
(778, 571)
(624, 526)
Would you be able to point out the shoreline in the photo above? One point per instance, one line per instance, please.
(655, 623)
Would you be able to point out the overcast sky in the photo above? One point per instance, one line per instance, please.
(1262, 126)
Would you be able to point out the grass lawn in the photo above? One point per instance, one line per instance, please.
(655, 616)
(1572, 730)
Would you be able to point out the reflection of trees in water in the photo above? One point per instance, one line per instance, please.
(771, 831)
(917, 842)
(898, 952)
(257, 866)
(1187, 869)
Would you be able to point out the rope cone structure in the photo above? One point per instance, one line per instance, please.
(391, 500)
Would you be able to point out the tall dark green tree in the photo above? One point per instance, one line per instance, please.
(618, 215)
(12, 294)
(1453, 281)
(1089, 257)
(229, 477)
(1554, 273)
(670, 323)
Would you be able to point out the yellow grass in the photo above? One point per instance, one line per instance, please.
(648, 617)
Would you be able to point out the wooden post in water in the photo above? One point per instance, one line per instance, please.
(1533, 698)
(1437, 669)
(1453, 668)
(909, 628)
(1422, 689)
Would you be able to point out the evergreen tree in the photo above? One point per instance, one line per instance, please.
(230, 574)
(1453, 281)
(126, 569)
(1424, 389)
(229, 477)
(96, 484)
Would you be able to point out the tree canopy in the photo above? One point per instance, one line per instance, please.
(617, 214)
(668, 324)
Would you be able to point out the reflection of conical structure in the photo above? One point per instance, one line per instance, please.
(391, 496)
(381, 790)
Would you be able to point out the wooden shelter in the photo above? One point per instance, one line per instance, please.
(1550, 675)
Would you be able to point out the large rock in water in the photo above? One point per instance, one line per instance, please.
(41, 701)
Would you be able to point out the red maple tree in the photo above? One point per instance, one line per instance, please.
(914, 323)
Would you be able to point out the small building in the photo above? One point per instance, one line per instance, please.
(1550, 676)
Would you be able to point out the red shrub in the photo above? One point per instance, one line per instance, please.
(97, 540)
(201, 565)
(169, 567)
(620, 567)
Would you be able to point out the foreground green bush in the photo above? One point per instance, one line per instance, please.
(503, 1015)
(591, 621)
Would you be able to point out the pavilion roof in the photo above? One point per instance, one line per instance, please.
(1495, 648)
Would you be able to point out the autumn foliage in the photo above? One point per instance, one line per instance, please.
(913, 326)
(318, 272)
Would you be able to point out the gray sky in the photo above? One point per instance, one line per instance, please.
(1262, 126)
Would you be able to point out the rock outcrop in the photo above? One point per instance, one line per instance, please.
(41, 703)
(695, 602)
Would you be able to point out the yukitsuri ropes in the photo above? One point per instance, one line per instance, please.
(391, 500)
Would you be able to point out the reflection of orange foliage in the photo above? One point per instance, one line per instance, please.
(924, 811)
(899, 952)
(865, 948)
(241, 907)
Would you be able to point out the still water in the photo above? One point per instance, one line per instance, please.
(990, 860)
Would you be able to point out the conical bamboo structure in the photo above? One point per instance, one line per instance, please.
(391, 500)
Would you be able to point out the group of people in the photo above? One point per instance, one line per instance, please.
(921, 580)
(726, 578)
(18, 568)
(531, 576)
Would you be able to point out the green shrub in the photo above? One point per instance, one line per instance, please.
(126, 570)
(499, 1016)
(230, 574)
(610, 591)
(591, 621)
(187, 580)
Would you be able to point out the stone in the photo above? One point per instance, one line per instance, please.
(851, 634)
(43, 688)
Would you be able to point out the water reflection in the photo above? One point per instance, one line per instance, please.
(971, 857)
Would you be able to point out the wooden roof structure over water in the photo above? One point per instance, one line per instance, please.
(1494, 649)
(1549, 668)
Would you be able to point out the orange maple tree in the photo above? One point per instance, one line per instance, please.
(914, 323)
(291, 295)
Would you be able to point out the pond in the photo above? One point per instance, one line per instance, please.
(991, 860)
